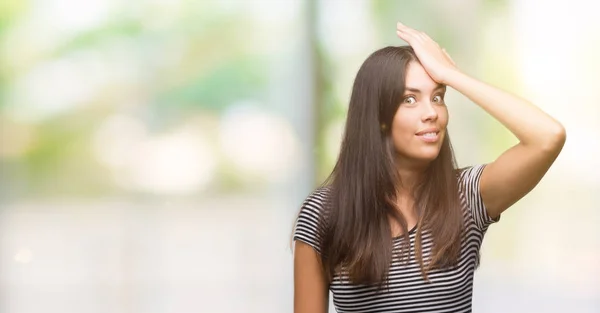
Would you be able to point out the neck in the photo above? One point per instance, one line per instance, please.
(408, 180)
(410, 175)
(405, 201)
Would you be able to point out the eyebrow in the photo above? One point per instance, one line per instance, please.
(417, 90)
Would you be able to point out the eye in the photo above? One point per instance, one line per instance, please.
(410, 100)
(438, 99)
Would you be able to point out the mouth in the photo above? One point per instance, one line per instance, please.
(429, 135)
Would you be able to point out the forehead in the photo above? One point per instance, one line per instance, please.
(417, 77)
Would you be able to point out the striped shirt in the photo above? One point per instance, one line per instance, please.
(449, 290)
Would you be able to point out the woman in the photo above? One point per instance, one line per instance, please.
(397, 227)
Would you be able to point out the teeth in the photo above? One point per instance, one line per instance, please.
(429, 135)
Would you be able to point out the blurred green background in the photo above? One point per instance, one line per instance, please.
(154, 153)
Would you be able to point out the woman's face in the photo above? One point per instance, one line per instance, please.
(419, 125)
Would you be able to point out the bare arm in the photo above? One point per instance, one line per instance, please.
(311, 289)
(519, 169)
(541, 138)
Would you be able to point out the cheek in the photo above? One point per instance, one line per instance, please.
(443, 116)
(403, 130)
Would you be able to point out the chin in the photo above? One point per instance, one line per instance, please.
(421, 155)
(429, 154)
(423, 158)
(429, 157)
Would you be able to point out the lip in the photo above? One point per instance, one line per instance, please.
(435, 138)
(428, 130)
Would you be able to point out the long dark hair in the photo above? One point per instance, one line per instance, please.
(357, 235)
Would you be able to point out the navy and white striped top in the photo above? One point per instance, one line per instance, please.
(448, 290)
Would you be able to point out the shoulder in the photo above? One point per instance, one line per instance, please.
(469, 174)
(468, 178)
(470, 195)
(317, 200)
(311, 220)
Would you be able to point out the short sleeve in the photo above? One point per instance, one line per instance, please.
(309, 223)
(470, 192)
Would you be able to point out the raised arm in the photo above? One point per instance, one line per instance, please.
(541, 138)
(519, 169)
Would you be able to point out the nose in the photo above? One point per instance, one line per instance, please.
(429, 113)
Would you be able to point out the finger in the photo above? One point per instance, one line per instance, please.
(411, 38)
(404, 36)
(425, 38)
(405, 29)
(448, 56)
(408, 37)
